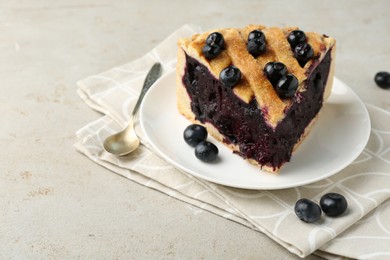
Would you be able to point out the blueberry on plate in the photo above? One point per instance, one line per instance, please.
(333, 204)
(295, 37)
(287, 86)
(194, 134)
(382, 79)
(206, 151)
(274, 71)
(230, 76)
(307, 210)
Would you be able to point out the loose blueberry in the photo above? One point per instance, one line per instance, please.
(211, 51)
(256, 47)
(295, 37)
(215, 38)
(333, 204)
(230, 76)
(206, 151)
(287, 86)
(256, 34)
(274, 71)
(194, 134)
(303, 52)
(382, 79)
(307, 210)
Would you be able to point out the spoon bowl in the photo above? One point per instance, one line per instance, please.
(126, 141)
(123, 142)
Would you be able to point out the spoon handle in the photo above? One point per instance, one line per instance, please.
(153, 74)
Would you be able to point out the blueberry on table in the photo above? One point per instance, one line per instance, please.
(382, 79)
(287, 86)
(194, 134)
(274, 71)
(333, 204)
(307, 210)
(296, 37)
(206, 151)
(230, 76)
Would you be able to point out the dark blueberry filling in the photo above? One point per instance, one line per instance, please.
(243, 124)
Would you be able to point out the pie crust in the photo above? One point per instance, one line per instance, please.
(254, 85)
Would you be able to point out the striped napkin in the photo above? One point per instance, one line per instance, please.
(363, 232)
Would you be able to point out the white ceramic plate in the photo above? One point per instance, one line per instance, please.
(338, 137)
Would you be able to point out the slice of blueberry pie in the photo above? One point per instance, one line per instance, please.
(257, 89)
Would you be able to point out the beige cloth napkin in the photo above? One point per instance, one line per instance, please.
(363, 232)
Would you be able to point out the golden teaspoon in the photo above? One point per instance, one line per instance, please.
(126, 141)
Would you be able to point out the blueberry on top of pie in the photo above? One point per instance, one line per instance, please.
(257, 89)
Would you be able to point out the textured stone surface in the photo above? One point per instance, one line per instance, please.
(56, 203)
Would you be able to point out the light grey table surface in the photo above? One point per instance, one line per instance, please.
(54, 202)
